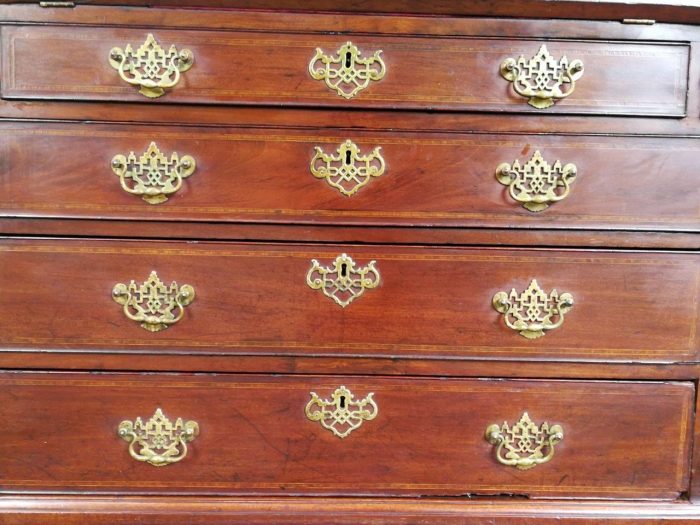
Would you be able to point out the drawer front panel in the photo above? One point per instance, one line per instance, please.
(277, 176)
(426, 437)
(268, 299)
(248, 68)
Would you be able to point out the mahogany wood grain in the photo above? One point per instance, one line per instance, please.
(254, 299)
(255, 437)
(368, 20)
(61, 510)
(106, 360)
(269, 68)
(349, 234)
(263, 175)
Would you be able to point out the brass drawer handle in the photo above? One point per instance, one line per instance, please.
(347, 170)
(152, 175)
(533, 312)
(151, 67)
(347, 73)
(541, 79)
(524, 446)
(152, 303)
(341, 414)
(536, 184)
(158, 441)
(341, 281)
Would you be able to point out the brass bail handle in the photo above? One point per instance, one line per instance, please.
(541, 79)
(533, 312)
(536, 184)
(152, 176)
(524, 445)
(158, 441)
(152, 303)
(150, 67)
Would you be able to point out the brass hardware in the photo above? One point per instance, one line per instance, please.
(524, 444)
(533, 312)
(341, 281)
(536, 184)
(158, 441)
(152, 303)
(541, 78)
(56, 4)
(347, 171)
(152, 175)
(346, 73)
(341, 414)
(151, 67)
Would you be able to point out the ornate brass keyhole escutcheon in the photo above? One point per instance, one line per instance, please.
(533, 312)
(537, 184)
(342, 413)
(150, 67)
(347, 170)
(524, 445)
(158, 441)
(541, 79)
(152, 303)
(342, 281)
(152, 175)
(347, 73)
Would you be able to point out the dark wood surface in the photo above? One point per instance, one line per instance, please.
(679, 11)
(108, 360)
(263, 175)
(254, 299)
(634, 323)
(362, 20)
(344, 511)
(507, 237)
(255, 438)
(241, 68)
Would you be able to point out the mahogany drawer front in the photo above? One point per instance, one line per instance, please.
(244, 175)
(258, 299)
(425, 436)
(463, 74)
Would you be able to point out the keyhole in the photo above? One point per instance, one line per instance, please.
(342, 401)
(343, 273)
(348, 157)
(348, 59)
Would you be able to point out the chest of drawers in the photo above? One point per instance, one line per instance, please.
(337, 264)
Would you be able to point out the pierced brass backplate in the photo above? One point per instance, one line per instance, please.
(533, 312)
(341, 414)
(158, 441)
(541, 79)
(341, 281)
(152, 303)
(152, 175)
(347, 73)
(347, 170)
(150, 67)
(536, 184)
(524, 446)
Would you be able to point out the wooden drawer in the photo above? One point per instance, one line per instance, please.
(265, 300)
(418, 436)
(461, 74)
(246, 175)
